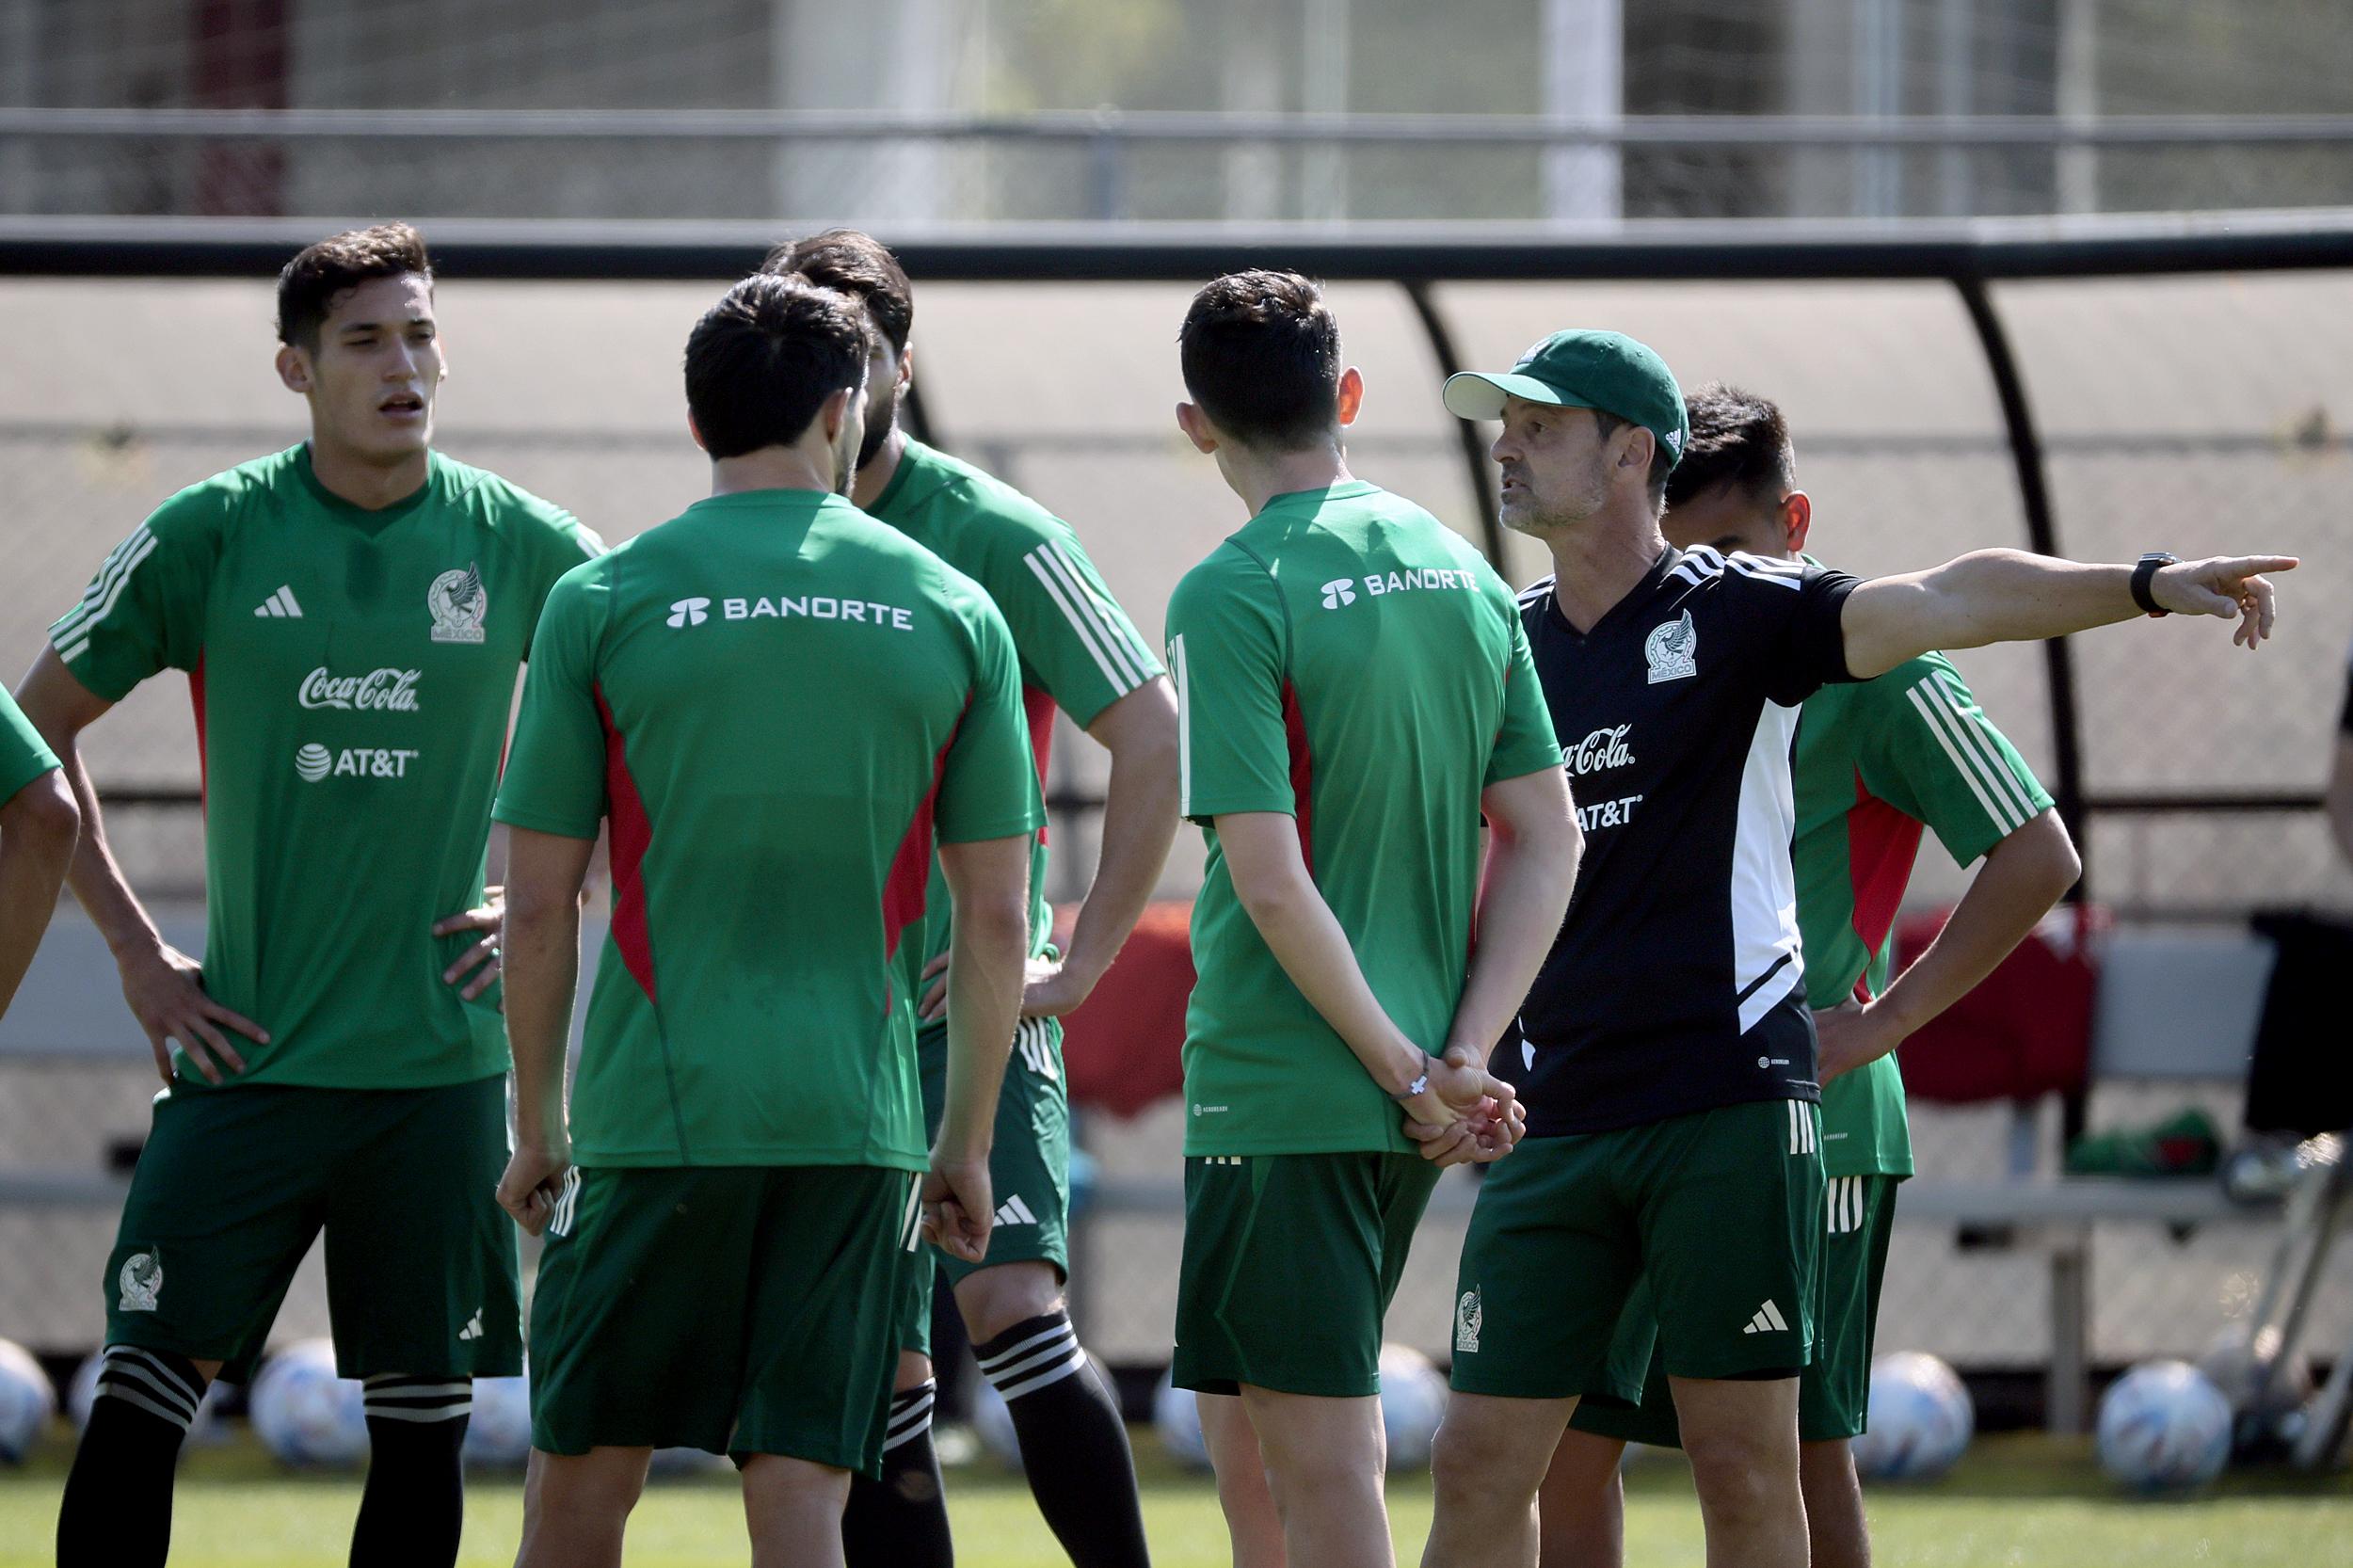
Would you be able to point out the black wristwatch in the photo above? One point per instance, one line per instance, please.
(2145, 574)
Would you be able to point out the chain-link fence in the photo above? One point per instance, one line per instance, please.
(2196, 414)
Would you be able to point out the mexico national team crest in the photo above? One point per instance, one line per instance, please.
(1673, 649)
(1468, 1319)
(458, 602)
(142, 1280)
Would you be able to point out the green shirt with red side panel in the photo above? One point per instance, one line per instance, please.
(1877, 761)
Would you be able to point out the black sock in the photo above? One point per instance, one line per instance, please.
(1074, 1448)
(901, 1521)
(117, 1510)
(413, 1508)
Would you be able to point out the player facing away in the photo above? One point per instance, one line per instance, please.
(1877, 761)
(1666, 1054)
(1078, 652)
(350, 614)
(778, 704)
(1354, 692)
(38, 823)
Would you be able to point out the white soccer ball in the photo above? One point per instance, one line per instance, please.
(1177, 1416)
(1413, 1402)
(84, 1388)
(498, 1433)
(306, 1415)
(1920, 1421)
(992, 1423)
(27, 1400)
(2164, 1425)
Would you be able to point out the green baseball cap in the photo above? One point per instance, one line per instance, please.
(1607, 370)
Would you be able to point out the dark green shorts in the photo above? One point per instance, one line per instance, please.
(1833, 1392)
(234, 1185)
(737, 1310)
(1029, 1168)
(1721, 1209)
(1289, 1263)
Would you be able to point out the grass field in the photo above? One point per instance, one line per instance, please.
(2015, 1500)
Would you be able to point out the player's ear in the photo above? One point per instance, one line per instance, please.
(1196, 426)
(906, 366)
(696, 430)
(1797, 518)
(835, 410)
(294, 369)
(1351, 394)
(1639, 447)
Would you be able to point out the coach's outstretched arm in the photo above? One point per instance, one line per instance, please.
(990, 881)
(544, 875)
(2009, 596)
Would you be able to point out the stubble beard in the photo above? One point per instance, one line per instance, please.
(881, 418)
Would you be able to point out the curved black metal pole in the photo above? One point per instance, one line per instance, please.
(2034, 496)
(1474, 449)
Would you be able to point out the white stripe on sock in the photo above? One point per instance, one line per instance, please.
(1016, 1370)
(1077, 1359)
(1000, 1358)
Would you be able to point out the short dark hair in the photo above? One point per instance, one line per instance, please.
(308, 285)
(762, 361)
(1261, 353)
(858, 264)
(1661, 460)
(1739, 440)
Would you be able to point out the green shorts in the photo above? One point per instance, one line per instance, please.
(1835, 1391)
(1289, 1263)
(738, 1309)
(234, 1185)
(1720, 1208)
(1029, 1169)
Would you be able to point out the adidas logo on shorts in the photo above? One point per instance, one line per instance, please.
(1767, 1321)
(1012, 1211)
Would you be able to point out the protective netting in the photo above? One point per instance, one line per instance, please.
(2195, 414)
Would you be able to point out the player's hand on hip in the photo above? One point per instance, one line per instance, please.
(958, 1206)
(934, 980)
(165, 988)
(2231, 586)
(533, 1182)
(1051, 989)
(1848, 1036)
(483, 959)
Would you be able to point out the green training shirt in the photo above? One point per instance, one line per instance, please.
(1348, 659)
(352, 672)
(1077, 650)
(23, 756)
(779, 703)
(1875, 762)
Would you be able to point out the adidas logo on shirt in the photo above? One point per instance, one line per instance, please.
(1012, 1211)
(1767, 1321)
(279, 605)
